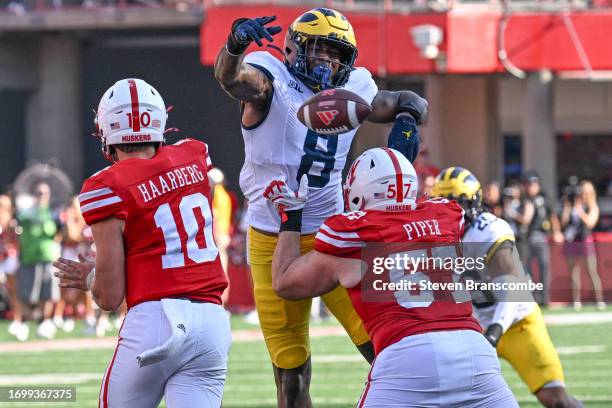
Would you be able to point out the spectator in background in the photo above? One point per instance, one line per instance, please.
(491, 199)
(426, 186)
(579, 216)
(222, 216)
(423, 165)
(39, 246)
(74, 243)
(9, 263)
(541, 223)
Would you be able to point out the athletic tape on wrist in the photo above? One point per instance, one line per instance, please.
(293, 221)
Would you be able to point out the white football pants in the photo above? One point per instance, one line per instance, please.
(437, 369)
(192, 377)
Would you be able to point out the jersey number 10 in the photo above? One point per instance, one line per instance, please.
(174, 257)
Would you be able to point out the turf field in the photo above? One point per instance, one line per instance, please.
(338, 371)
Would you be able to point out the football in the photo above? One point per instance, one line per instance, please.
(333, 111)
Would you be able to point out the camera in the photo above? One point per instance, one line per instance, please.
(572, 189)
(508, 193)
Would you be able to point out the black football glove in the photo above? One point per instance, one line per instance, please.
(415, 105)
(246, 30)
(404, 136)
(494, 333)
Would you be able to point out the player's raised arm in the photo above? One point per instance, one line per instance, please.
(503, 265)
(408, 110)
(388, 104)
(314, 274)
(297, 277)
(242, 81)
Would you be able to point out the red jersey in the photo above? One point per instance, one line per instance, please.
(433, 230)
(168, 236)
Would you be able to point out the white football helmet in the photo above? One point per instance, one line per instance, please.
(381, 179)
(130, 111)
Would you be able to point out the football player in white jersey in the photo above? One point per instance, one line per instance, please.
(516, 327)
(319, 53)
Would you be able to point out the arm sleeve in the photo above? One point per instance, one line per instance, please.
(99, 202)
(504, 314)
(337, 238)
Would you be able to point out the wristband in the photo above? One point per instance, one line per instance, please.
(408, 116)
(494, 333)
(232, 46)
(291, 221)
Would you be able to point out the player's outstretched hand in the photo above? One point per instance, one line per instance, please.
(246, 30)
(285, 199)
(73, 274)
(414, 104)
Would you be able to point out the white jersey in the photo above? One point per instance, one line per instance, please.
(481, 238)
(281, 146)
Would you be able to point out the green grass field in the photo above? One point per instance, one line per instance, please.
(338, 371)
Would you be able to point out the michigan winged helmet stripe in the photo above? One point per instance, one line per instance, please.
(460, 184)
(454, 182)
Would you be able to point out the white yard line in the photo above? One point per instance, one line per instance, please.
(51, 378)
(238, 336)
(338, 358)
(577, 318)
(251, 335)
(599, 348)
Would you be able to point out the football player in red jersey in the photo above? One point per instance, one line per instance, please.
(429, 350)
(150, 214)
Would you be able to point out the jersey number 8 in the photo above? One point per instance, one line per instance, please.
(325, 159)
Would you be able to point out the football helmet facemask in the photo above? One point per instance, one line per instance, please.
(303, 40)
(130, 111)
(459, 184)
(381, 179)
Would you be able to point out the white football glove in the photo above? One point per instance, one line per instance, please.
(285, 199)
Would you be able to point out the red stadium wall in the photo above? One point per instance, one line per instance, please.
(533, 40)
(561, 282)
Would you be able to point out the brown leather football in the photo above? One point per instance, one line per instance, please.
(333, 111)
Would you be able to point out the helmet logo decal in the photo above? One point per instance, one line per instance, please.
(351, 175)
(327, 116)
(398, 175)
(135, 116)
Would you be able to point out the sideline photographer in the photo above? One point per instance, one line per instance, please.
(518, 213)
(542, 222)
(579, 216)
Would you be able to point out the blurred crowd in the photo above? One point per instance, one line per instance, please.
(33, 235)
(539, 221)
(22, 7)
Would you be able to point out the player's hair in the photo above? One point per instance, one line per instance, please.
(135, 147)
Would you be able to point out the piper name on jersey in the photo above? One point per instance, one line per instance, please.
(164, 183)
(418, 229)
